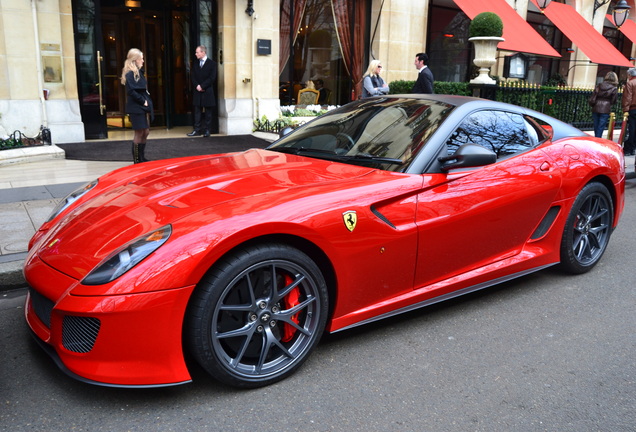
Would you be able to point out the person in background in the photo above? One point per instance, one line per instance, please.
(628, 103)
(138, 102)
(203, 78)
(424, 82)
(602, 99)
(323, 97)
(372, 82)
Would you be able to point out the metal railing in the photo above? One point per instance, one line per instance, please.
(18, 140)
(564, 103)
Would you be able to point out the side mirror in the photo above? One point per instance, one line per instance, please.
(467, 156)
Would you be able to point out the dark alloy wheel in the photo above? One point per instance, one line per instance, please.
(256, 317)
(587, 229)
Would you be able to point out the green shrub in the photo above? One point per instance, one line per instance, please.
(440, 87)
(401, 87)
(452, 88)
(486, 24)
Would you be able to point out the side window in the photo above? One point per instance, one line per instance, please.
(502, 132)
(537, 128)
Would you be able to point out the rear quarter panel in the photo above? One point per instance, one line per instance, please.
(584, 159)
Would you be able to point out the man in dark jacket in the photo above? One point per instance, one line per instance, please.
(628, 103)
(424, 83)
(203, 75)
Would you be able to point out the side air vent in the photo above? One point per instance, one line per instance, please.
(380, 216)
(79, 333)
(546, 223)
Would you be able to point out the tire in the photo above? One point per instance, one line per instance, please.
(246, 331)
(587, 229)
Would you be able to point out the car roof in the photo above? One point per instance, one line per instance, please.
(466, 104)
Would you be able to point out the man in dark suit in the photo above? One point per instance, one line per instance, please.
(323, 93)
(203, 75)
(424, 83)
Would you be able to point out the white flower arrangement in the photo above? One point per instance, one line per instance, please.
(309, 110)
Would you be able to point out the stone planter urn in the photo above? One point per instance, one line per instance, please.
(485, 57)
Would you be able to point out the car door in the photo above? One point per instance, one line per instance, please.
(482, 215)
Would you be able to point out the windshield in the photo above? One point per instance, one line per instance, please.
(384, 132)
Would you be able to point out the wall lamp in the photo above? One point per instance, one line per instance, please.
(250, 7)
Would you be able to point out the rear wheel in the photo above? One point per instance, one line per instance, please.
(587, 230)
(256, 317)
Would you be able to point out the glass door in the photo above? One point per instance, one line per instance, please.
(89, 64)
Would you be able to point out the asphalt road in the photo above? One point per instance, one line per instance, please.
(547, 352)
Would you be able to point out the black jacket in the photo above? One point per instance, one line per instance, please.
(137, 94)
(424, 83)
(205, 77)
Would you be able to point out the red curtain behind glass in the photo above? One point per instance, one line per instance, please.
(352, 50)
(285, 28)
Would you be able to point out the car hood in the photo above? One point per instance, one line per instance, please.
(135, 200)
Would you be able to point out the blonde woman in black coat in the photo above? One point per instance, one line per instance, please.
(138, 102)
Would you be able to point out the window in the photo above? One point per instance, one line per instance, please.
(322, 40)
(502, 132)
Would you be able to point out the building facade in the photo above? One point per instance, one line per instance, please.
(60, 60)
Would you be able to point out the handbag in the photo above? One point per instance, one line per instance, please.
(592, 100)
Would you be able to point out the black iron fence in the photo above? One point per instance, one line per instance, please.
(564, 103)
(18, 140)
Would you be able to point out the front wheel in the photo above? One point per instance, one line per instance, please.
(257, 316)
(587, 229)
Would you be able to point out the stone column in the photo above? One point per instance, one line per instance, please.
(248, 82)
(37, 52)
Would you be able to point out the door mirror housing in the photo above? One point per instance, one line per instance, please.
(468, 156)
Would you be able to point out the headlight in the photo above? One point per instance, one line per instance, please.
(127, 257)
(70, 199)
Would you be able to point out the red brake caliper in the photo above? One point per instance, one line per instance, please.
(291, 300)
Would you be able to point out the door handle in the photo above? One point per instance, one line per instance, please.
(102, 107)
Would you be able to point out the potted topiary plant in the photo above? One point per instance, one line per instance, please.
(485, 33)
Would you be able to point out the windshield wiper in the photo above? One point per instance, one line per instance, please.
(298, 150)
(363, 157)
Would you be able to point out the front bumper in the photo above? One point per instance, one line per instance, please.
(128, 340)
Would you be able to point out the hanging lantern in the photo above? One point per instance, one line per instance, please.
(621, 11)
(544, 4)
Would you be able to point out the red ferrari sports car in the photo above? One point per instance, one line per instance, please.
(241, 261)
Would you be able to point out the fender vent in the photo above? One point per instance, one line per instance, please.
(380, 216)
(546, 223)
(79, 333)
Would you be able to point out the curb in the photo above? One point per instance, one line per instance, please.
(30, 154)
(11, 276)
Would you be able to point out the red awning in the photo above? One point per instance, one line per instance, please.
(518, 34)
(583, 35)
(628, 29)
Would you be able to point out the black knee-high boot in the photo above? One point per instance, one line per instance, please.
(135, 152)
(142, 152)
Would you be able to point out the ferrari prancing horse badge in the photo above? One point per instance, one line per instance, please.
(350, 219)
